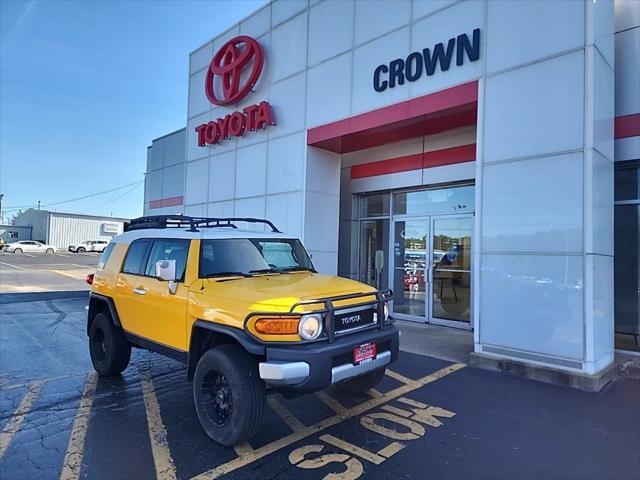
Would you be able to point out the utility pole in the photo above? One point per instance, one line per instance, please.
(38, 204)
(1, 217)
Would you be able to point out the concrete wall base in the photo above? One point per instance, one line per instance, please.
(588, 383)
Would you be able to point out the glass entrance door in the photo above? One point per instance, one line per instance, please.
(451, 270)
(410, 268)
(432, 269)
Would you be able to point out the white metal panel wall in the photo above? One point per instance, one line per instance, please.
(38, 220)
(66, 230)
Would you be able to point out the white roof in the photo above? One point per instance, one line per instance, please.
(202, 234)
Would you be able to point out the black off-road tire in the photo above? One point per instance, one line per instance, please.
(231, 372)
(363, 382)
(110, 351)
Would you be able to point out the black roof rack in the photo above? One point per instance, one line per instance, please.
(182, 221)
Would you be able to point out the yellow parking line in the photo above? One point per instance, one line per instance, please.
(292, 438)
(73, 458)
(285, 414)
(13, 425)
(77, 274)
(374, 393)
(398, 377)
(165, 468)
(332, 403)
(243, 449)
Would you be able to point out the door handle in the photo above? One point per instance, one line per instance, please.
(139, 291)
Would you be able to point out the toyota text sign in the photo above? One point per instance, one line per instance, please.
(234, 71)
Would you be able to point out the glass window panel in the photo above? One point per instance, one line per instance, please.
(409, 258)
(452, 243)
(435, 202)
(135, 257)
(374, 253)
(627, 276)
(169, 249)
(627, 183)
(451, 295)
(376, 205)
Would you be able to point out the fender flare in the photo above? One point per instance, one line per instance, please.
(211, 330)
(96, 300)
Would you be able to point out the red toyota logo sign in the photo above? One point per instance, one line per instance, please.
(229, 64)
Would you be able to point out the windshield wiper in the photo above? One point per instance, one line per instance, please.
(298, 269)
(227, 274)
(265, 270)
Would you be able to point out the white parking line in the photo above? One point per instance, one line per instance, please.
(13, 425)
(14, 266)
(73, 458)
(165, 468)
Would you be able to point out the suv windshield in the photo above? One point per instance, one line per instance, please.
(243, 256)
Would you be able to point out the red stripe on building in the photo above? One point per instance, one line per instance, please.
(166, 202)
(451, 108)
(384, 167)
(627, 126)
(447, 156)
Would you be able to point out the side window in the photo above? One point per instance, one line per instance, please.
(134, 261)
(104, 258)
(169, 249)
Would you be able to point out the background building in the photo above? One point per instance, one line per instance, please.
(64, 229)
(466, 154)
(164, 179)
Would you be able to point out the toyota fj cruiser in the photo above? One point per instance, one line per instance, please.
(244, 309)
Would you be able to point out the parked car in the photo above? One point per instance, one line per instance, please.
(29, 246)
(89, 246)
(245, 310)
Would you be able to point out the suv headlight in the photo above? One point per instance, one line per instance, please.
(310, 327)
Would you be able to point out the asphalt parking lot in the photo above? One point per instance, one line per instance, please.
(428, 418)
(43, 272)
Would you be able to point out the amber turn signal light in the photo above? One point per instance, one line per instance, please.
(277, 325)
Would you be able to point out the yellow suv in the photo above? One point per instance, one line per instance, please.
(244, 309)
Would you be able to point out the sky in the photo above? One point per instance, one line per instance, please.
(84, 88)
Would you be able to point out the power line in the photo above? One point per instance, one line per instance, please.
(135, 187)
(16, 208)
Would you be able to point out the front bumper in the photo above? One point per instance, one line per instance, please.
(314, 366)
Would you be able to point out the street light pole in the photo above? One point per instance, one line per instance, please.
(1, 216)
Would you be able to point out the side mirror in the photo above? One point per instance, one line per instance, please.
(166, 270)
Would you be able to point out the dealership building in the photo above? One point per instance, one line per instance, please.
(479, 158)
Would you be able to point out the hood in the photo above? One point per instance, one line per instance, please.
(273, 292)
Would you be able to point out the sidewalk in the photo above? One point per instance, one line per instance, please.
(452, 344)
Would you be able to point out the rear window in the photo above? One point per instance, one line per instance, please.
(136, 255)
(104, 258)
